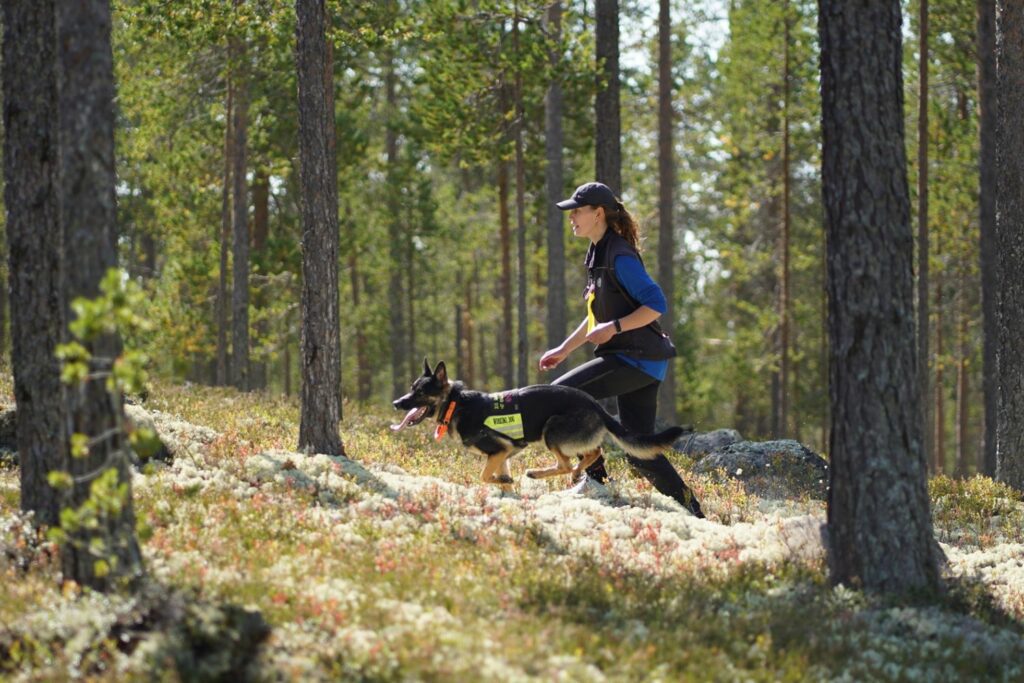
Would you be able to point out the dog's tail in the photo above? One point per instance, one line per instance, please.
(642, 446)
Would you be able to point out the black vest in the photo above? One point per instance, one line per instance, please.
(611, 301)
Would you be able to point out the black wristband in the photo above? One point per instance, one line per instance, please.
(618, 326)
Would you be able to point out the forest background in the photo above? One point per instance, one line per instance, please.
(433, 100)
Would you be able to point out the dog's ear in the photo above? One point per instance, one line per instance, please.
(426, 367)
(441, 373)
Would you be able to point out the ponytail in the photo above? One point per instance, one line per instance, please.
(623, 223)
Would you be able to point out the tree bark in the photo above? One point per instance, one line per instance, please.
(987, 184)
(823, 352)
(962, 378)
(469, 331)
(1010, 243)
(608, 134)
(409, 268)
(522, 322)
(225, 242)
(321, 343)
(240, 251)
(555, 181)
(35, 246)
(505, 237)
(785, 288)
(666, 198)
(922, 230)
(286, 354)
(364, 366)
(89, 215)
(782, 416)
(400, 353)
(880, 529)
(4, 271)
(938, 390)
(260, 210)
(260, 235)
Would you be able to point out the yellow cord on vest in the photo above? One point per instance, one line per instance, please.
(591, 318)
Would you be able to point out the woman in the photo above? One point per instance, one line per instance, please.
(623, 306)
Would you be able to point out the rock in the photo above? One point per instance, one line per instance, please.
(699, 445)
(177, 437)
(196, 638)
(771, 469)
(8, 429)
(142, 420)
(8, 438)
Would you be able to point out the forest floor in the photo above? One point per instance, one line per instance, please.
(395, 564)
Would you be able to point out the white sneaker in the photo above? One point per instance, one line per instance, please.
(589, 487)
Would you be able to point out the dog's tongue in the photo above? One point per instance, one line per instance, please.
(408, 417)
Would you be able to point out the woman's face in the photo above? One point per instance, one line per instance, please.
(588, 221)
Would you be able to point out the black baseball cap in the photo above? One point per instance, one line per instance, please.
(589, 194)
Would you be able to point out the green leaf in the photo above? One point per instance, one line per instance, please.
(101, 568)
(144, 442)
(79, 445)
(60, 480)
(97, 547)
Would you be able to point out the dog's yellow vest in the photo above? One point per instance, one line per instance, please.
(505, 418)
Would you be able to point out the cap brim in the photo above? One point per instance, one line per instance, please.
(567, 204)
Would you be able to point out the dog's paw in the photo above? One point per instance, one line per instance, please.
(503, 479)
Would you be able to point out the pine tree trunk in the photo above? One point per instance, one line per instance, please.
(260, 210)
(3, 299)
(89, 215)
(987, 185)
(400, 353)
(554, 181)
(240, 250)
(225, 242)
(468, 333)
(939, 410)
(785, 285)
(260, 234)
(962, 414)
(922, 231)
(364, 368)
(286, 355)
(522, 321)
(409, 267)
(608, 134)
(505, 237)
(35, 246)
(823, 355)
(321, 343)
(666, 192)
(1010, 243)
(879, 524)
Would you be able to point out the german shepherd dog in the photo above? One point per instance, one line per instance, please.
(499, 425)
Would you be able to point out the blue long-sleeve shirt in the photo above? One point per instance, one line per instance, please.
(638, 284)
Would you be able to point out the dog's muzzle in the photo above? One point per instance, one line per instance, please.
(413, 417)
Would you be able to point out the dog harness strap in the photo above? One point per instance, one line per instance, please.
(442, 426)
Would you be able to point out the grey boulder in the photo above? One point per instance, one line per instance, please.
(770, 469)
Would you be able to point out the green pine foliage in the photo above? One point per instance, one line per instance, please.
(455, 64)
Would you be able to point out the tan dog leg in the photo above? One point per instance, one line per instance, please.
(562, 467)
(496, 470)
(506, 475)
(586, 461)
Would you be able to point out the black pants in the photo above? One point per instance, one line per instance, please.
(637, 395)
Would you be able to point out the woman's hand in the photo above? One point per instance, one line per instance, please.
(552, 358)
(601, 333)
